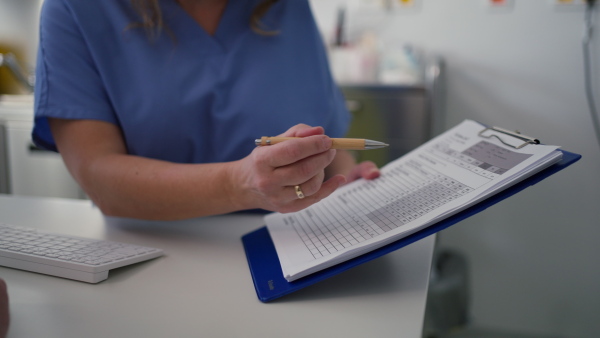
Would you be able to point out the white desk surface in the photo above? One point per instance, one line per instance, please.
(202, 286)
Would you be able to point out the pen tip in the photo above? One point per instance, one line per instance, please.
(370, 144)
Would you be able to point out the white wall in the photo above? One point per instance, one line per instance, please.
(534, 258)
(18, 27)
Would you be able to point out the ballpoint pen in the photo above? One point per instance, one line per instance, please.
(338, 143)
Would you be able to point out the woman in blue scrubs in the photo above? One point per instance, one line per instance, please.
(154, 105)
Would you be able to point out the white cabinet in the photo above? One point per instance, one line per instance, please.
(26, 170)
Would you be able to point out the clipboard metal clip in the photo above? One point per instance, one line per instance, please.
(527, 140)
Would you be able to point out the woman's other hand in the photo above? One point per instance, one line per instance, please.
(367, 170)
(345, 164)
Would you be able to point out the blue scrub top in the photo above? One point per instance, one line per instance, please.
(187, 97)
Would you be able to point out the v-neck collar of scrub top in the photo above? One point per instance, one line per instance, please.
(232, 26)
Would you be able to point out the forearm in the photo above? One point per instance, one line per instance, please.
(130, 186)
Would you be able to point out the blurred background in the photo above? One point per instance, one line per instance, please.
(527, 267)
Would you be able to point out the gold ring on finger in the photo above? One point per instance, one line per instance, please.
(299, 192)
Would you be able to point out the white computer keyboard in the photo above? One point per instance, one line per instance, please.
(82, 259)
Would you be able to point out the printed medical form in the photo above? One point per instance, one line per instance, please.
(445, 175)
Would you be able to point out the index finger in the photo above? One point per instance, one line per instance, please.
(292, 151)
(303, 130)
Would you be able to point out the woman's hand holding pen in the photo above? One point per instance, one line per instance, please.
(269, 175)
(272, 178)
(290, 176)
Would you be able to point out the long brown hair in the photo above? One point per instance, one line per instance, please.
(152, 20)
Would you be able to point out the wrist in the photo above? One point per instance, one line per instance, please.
(237, 188)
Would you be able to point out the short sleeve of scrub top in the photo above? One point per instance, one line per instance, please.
(187, 96)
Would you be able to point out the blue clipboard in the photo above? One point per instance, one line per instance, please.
(267, 274)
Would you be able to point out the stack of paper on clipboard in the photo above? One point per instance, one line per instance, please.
(450, 178)
(450, 173)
